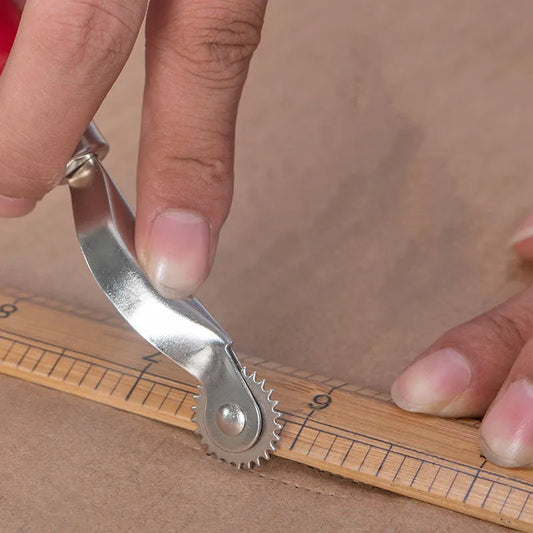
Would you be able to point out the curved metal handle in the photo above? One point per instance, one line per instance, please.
(181, 329)
(105, 226)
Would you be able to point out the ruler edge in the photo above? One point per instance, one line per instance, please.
(284, 453)
(310, 461)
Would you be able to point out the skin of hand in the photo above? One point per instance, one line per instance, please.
(66, 56)
(483, 367)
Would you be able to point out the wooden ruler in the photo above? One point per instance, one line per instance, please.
(337, 427)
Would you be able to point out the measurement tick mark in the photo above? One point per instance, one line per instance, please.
(313, 443)
(505, 501)
(59, 357)
(86, 373)
(416, 473)
(347, 453)
(181, 403)
(140, 376)
(101, 378)
(524, 505)
(116, 384)
(364, 458)
(451, 484)
(487, 495)
(8, 350)
(476, 475)
(164, 399)
(383, 461)
(331, 447)
(399, 468)
(148, 393)
(23, 355)
(37, 362)
(302, 426)
(434, 478)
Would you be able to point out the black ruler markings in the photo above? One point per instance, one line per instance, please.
(151, 361)
(384, 445)
(312, 412)
(439, 463)
(400, 467)
(475, 478)
(119, 374)
(55, 305)
(61, 351)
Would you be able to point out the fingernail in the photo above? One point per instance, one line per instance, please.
(15, 207)
(506, 434)
(178, 254)
(432, 383)
(524, 231)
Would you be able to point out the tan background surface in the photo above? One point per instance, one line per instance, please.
(384, 157)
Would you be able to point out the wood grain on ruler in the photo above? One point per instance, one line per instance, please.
(337, 427)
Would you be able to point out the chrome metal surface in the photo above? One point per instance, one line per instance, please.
(231, 417)
(265, 444)
(92, 144)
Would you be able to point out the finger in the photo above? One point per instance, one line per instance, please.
(522, 240)
(64, 60)
(462, 372)
(197, 59)
(506, 433)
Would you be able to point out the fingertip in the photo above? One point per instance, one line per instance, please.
(177, 252)
(506, 434)
(524, 247)
(434, 384)
(15, 207)
(522, 240)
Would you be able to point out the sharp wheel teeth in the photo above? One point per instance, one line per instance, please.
(265, 444)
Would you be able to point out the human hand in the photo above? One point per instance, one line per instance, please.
(483, 367)
(67, 55)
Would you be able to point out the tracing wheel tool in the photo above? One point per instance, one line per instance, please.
(235, 414)
(334, 426)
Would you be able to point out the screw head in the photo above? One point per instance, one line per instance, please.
(231, 419)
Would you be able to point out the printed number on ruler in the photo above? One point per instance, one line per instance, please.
(320, 401)
(6, 310)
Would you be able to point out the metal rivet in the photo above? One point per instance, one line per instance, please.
(231, 419)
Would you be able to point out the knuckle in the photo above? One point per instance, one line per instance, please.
(493, 337)
(193, 172)
(211, 171)
(216, 43)
(27, 179)
(23, 173)
(504, 328)
(90, 33)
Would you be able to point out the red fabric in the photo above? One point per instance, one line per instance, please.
(9, 20)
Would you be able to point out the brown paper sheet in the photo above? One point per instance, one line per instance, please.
(383, 158)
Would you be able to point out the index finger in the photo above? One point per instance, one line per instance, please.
(65, 58)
